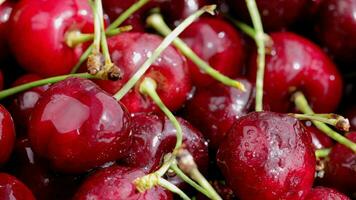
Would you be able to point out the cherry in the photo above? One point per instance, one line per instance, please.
(7, 135)
(298, 65)
(38, 34)
(336, 28)
(11, 188)
(319, 139)
(154, 136)
(351, 115)
(5, 12)
(323, 193)
(116, 182)
(77, 126)
(23, 104)
(272, 18)
(341, 172)
(267, 155)
(218, 43)
(170, 71)
(215, 108)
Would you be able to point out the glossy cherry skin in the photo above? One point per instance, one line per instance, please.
(77, 126)
(154, 136)
(5, 12)
(319, 139)
(115, 182)
(170, 71)
(23, 104)
(215, 108)
(267, 155)
(7, 135)
(38, 34)
(341, 172)
(323, 193)
(336, 28)
(13, 189)
(272, 18)
(296, 64)
(218, 43)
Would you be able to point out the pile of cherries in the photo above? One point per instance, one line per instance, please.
(79, 121)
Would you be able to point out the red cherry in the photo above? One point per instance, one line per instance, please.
(319, 139)
(154, 136)
(38, 32)
(77, 126)
(341, 171)
(272, 18)
(5, 12)
(322, 193)
(7, 135)
(170, 71)
(215, 108)
(11, 188)
(296, 64)
(336, 28)
(267, 155)
(218, 43)
(115, 182)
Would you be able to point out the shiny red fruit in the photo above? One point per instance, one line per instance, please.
(77, 126)
(215, 108)
(5, 12)
(7, 135)
(319, 139)
(129, 51)
(267, 156)
(322, 193)
(115, 182)
(218, 43)
(296, 64)
(13, 189)
(38, 32)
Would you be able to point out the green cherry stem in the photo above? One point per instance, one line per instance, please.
(322, 153)
(168, 185)
(260, 42)
(55, 79)
(97, 30)
(156, 21)
(303, 105)
(335, 120)
(103, 42)
(164, 44)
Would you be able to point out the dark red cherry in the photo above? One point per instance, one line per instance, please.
(336, 28)
(319, 139)
(351, 116)
(115, 182)
(341, 167)
(296, 64)
(23, 104)
(215, 108)
(7, 135)
(77, 126)
(218, 43)
(13, 189)
(267, 155)
(170, 71)
(323, 193)
(5, 12)
(275, 14)
(38, 34)
(154, 136)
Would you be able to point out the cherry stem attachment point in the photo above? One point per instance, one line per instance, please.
(303, 105)
(322, 153)
(55, 79)
(335, 120)
(164, 44)
(156, 21)
(260, 42)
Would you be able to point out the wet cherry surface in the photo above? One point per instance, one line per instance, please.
(13, 189)
(322, 193)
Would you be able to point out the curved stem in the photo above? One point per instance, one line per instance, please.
(164, 44)
(103, 42)
(322, 153)
(198, 177)
(168, 185)
(259, 39)
(335, 120)
(97, 30)
(303, 105)
(24, 87)
(156, 21)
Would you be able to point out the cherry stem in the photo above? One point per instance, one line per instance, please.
(125, 15)
(335, 120)
(97, 30)
(104, 44)
(2, 1)
(171, 187)
(322, 153)
(164, 44)
(156, 21)
(260, 42)
(303, 105)
(55, 79)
